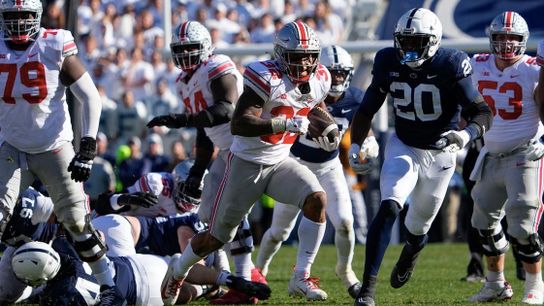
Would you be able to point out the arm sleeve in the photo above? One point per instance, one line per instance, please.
(377, 91)
(87, 95)
(476, 111)
(219, 113)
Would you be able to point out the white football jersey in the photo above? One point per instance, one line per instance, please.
(196, 93)
(509, 94)
(282, 99)
(34, 115)
(160, 184)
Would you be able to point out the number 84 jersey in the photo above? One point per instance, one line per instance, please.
(34, 115)
(281, 98)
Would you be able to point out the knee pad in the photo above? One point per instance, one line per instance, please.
(389, 208)
(530, 252)
(243, 241)
(92, 248)
(493, 241)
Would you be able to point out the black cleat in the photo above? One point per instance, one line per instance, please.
(110, 296)
(354, 289)
(402, 272)
(254, 289)
(364, 301)
(366, 294)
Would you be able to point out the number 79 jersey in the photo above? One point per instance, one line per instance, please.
(427, 101)
(509, 94)
(281, 98)
(34, 115)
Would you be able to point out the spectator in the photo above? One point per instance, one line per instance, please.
(108, 118)
(217, 38)
(163, 101)
(90, 53)
(330, 27)
(131, 116)
(102, 177)
(102, 149)
(227, 27)
(131, 169)
(265, 31)
(154, 159)
(289, 13)
(177, 154)
(138, 76)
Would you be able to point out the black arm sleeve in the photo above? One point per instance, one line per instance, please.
(102, 205)
(476, 111)
(372, 101)
(219, 113)
(204, 152)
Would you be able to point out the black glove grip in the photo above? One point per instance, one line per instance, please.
(87, 148)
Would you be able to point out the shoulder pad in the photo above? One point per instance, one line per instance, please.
(219, 65)
(258, 76)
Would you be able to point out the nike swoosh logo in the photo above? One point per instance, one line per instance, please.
(431, 76)
(446, 167)
(345, 111)
(514, 76)
(32, 55)
(402, 278)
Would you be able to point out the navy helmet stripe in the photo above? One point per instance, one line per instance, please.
(409, 22)
(39, 251)
(335, 53)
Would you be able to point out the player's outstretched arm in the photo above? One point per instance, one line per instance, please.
(111, 203)
(225, 94)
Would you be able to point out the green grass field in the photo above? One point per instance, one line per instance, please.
(436, 280)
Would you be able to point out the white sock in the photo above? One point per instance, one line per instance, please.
(243, 265)
(103, 271)
(495, 276)
(185, 262)
(310, 235)
(534, 278)
(221, 262)
(345, 242)
(269, 247)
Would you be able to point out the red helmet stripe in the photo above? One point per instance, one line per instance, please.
(183, 30)
(508, 19)
(19, 2)
(302, 33)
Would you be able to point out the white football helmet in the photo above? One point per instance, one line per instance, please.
(338, 61)
(508, 23)
(417, 36)
(294, 40)
(191, 45)
(35, 263)
(14, 30)
(185, 202)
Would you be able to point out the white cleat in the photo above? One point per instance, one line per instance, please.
(346, 275)
(307, 287)
(534, 295)
(170, 287)
(493, 292)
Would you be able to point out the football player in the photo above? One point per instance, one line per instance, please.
(428, 85)
(209, 86)
(509, 169)
(269, 115)
(35, 130)
(342, 102)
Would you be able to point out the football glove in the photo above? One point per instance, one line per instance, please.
(142, 199)
(453, 141)
(540, 53)
(297, 124)
(324, 143)
(359, 156)
(81, 164)
(535, 150)
(173, 121)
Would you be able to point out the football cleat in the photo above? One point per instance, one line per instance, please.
(365, 296)
(258, 276)
(493, 292)
(254, 289)
(346, 275)
(234, 297)
(534, 295)
(402, 272)
(171, 286)
(473, 278)
(307, 287)
(365, 301)
(354, 289)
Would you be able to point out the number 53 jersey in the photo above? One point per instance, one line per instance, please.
(509, 94)
(34, 115)
(426, 101)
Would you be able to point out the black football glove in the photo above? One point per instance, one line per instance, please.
(81, 164)
(173, 121)
(142, 199)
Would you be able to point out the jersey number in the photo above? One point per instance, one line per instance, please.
(514, 100)
(32, 74)
(284, 137)
(200, 103)
(402, 105)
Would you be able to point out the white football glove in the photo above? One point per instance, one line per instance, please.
(535, 150)
(358, 157)
(297, 124)
(324, 143)
(453, 141)
(540, 54)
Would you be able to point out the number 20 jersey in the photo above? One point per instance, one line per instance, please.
(509, 94)
(281, 98)
(426, 101)
(197, 95)
(34, 115)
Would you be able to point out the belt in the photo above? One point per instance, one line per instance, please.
(506, 154)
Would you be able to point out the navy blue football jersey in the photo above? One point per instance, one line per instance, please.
(158, 235)
(74, 284)
(20, 228)
(342, 111)
(426, 101)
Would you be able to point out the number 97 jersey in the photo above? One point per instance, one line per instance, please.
(34, 115)
(426, 101)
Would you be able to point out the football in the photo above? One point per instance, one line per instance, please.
(322, 124)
